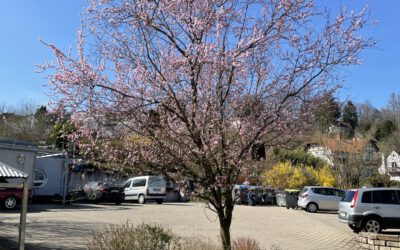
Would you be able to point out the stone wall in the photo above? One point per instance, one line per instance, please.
(379, 241)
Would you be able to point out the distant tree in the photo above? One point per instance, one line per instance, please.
(298, 157)
(327, 113)
(59, 134)
(350, 117)
(367, 116)
(385, 129)
(394, 106)
(390, 143)
(25, 122)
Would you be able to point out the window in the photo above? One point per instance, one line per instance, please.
(156, 181)
(139, 183)
(394, 164)
(304, 190)
(366, 197)
(321, 191)
(337, 192)
(385, 197)
(348, 196)
(127, 184)
(40, 178)
(315, 190)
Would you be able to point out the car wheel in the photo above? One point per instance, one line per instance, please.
(160, 201)
(141, 199)
(92, 196)
(372, 225)
(312, 208)
(355, 228)
(10, 202)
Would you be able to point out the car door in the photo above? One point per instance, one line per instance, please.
(321, 197)
(128, 190)
(138, 187)
(156, 185)
(386, 204)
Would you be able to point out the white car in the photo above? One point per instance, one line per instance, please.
(143, 188)
(314, 198)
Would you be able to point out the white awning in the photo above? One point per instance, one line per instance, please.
(10, 172)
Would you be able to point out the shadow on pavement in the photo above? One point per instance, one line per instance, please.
(47, 235)
(38, 208)
(7, 244)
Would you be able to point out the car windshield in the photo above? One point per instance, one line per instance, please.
(348, 196)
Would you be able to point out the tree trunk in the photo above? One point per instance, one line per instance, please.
(225, 220)
(225, 234)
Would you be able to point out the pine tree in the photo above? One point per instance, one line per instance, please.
(327, 113)
(350, 117)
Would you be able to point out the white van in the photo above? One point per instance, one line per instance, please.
(144, 188)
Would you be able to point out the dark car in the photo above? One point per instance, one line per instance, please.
(100, 191)
(11, 197)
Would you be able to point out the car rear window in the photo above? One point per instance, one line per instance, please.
(156, 181)
(348, 196)
(303, 191)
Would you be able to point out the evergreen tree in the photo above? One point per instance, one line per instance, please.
(327, 113)
(350, 117)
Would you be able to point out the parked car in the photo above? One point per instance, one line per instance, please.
(371, 209)
(314, 198)
(99, 191)
(143, 188)
(11, 197)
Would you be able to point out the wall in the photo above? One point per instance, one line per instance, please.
(379, 241)
(9, 154)
(52, 168)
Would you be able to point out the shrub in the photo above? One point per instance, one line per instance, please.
(195, 244)
(129, 237)
(325, 176)
(245, 243)
(150, 237)
(286, 175)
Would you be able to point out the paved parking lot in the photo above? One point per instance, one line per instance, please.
(58, 227)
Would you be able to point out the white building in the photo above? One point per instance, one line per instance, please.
(391, 166)
(20, 155)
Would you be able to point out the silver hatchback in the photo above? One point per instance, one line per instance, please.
(314, 198)
(371, 209)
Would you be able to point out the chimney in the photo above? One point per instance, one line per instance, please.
(382, 168)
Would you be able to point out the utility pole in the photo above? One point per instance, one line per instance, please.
(65, 188)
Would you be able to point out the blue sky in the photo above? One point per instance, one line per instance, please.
(23, 22)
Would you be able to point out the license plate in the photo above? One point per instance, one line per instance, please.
(114, 191)
(157, 190)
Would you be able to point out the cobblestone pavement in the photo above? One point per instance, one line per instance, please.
(57, 227)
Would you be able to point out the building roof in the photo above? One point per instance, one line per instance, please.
(7, 171)
(356, 145)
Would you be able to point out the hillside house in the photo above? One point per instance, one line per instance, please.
(338, 151)
(391, 166)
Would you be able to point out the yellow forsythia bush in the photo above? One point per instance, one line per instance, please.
(285, 175)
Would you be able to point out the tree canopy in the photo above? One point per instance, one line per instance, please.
(177, 73)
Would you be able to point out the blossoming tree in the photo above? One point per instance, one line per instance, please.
(190, 87)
